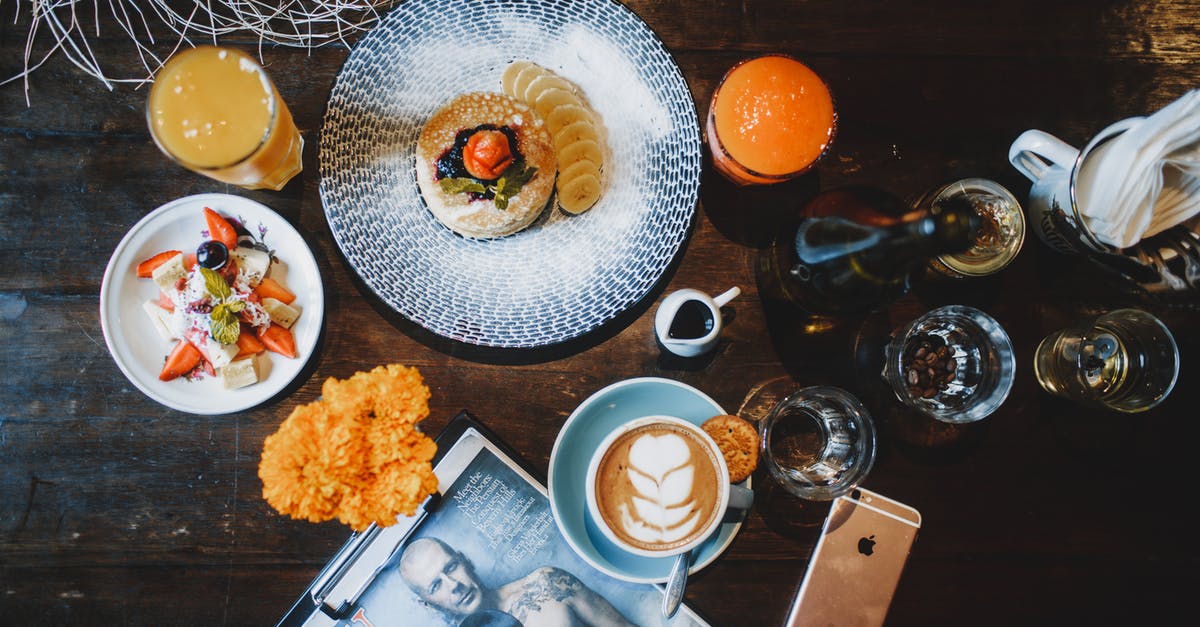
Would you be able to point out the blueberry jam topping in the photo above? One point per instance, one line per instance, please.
(450, 164)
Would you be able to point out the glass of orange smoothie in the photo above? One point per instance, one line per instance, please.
(216, 112)
(771, 119)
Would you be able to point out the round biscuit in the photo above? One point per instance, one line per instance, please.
(738, 441)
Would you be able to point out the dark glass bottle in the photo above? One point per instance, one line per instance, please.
(855, 249)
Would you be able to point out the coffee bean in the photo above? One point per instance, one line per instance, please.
(928, 393)
(912, 377)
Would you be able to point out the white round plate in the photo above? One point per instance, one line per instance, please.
(578, 439)
(565, 275)
(139, 350)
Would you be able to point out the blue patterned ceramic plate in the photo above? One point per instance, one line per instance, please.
(578, 439)
(563, 276)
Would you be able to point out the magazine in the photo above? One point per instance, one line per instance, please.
(484, 551)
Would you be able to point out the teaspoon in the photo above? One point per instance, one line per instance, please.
(676, 581)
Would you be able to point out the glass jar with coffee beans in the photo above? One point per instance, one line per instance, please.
(954, 364)
(929, 365)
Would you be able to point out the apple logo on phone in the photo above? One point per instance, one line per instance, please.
(866, 546)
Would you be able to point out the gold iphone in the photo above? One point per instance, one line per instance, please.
(857, 562)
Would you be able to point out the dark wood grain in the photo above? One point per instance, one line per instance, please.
(115, 510)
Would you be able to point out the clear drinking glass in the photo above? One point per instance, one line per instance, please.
(771, 119)
(216, 112)
(1001, 227)
(819, 442)
(1125, 360)
(954, 363)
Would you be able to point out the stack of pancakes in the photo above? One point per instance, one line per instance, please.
(470, 214)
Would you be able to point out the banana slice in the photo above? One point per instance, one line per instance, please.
(526, 76)
(565, 114)
(508, 80)
(579, 194)
(583, 130)
(576, 170)
(544, 83)
(584, 150)
(553, 98)
(579, 136)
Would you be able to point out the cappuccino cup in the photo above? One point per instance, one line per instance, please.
(658, 486)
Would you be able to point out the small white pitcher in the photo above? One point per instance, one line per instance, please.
(1056, 169)
(688, 322)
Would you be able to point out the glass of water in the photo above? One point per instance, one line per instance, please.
(818, 442)
(1125, 360)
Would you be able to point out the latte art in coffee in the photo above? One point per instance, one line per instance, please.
(657, 487)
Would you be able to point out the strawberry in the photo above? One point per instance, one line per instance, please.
(248, 344)
(182, 359)
(270, 288)
(146, 268)
(165, 301)
(220, 229)
(278, 339)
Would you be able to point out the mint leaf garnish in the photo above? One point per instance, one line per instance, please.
(461, 186)
(509, 185)
(224, 324)
(215, 284)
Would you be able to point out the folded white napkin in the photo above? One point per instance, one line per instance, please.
(1146, 179)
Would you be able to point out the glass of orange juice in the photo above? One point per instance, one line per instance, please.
(216, 112)
(771, 119)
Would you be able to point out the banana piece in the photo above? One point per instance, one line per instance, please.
(545, 83)
(281, 313)
(581, 130)
(551, 99)
(239, 374)
(579, 137)
(158, 319)
(508, 80)
(166, 274)
(578, 169)
(584, 150)
(567, 114)
(524, 78)
(252, 263)
(579, 194)
(218, 354)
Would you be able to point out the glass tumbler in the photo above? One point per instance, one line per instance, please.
(818, 442)
(216, 112)
(770, 120)
(1125, 360)
(1001, 227)
(954, 364)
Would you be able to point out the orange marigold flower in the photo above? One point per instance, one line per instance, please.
(356, 454)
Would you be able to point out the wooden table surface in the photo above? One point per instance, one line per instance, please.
(117, 510)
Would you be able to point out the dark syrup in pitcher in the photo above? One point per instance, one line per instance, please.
(694, 320)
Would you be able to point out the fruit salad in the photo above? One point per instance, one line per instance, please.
(219, 306)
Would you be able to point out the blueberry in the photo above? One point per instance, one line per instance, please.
(212, 255)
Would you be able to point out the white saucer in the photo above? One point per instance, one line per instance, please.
(582, 432)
